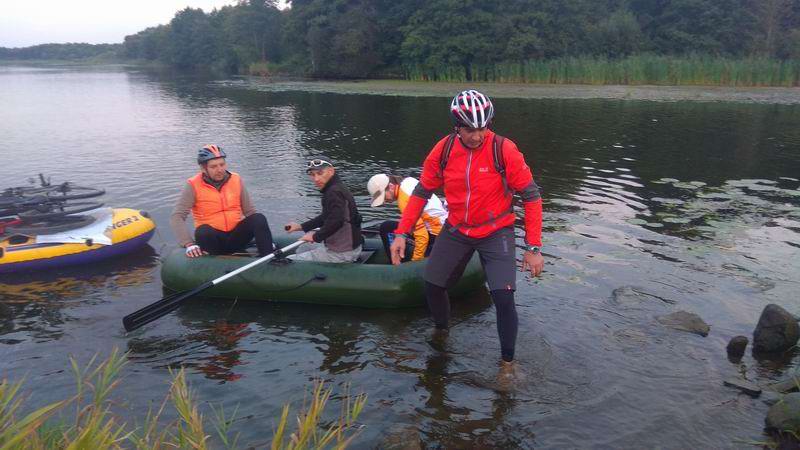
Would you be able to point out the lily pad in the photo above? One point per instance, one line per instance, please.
(714, 196)
(676, 220)
(666, 180)
(668, 201)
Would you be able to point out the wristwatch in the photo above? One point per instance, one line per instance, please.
(535, 249)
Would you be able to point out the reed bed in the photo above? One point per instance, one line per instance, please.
(633, 70)
(90, 419)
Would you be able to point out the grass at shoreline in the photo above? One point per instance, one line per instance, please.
(633, 70)
(90, 419)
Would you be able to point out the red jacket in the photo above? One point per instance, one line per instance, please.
(477, 201)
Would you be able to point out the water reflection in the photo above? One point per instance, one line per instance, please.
(34, 306)
(345, 338)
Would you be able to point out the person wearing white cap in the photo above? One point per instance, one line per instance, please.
(390, 188)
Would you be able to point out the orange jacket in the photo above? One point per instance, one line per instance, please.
(220, 209)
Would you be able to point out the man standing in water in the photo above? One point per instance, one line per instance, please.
(478, 170)
(225, 219)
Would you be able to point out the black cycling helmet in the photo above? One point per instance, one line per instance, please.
(209, 152)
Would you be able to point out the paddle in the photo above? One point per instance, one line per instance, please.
(172, 302)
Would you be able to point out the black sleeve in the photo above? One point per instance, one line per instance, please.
(336, 206)
(310, 224)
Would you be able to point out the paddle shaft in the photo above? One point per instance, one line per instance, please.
(253, 264)
(172, 302)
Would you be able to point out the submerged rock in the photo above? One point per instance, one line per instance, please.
(784, 386)
(628, 296)
(770, 398)
(401, 437)
(736, 346)
(777, 330)
(685, 321)
(744, 386)
(785, 414)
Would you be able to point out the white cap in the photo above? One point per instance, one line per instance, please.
(377, 188)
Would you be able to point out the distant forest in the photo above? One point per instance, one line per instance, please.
(65, 52)
(750, 42)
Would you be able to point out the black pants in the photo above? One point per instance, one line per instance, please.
(218, 242)
(388, 227)
(447, 263)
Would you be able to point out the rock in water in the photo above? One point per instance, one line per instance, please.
(736, 346)
(785, 415)
(784, 386)
(744, 386)
(777, 330)
(401, 437)
(685, 321)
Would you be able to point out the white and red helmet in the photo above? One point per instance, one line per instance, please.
(472, 109)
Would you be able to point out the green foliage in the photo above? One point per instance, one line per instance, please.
(635, 69)
(310, 433)
(94, 425)
(720, 42)
(65, 52)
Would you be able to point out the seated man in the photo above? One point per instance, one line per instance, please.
(339, 224)
(389, 188)
(225, 219)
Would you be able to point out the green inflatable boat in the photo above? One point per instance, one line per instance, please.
(371, 282)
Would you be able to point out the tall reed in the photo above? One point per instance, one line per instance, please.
(88, 419)
(697, 70)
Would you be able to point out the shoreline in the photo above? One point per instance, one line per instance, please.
(394, 87)
(757, 95)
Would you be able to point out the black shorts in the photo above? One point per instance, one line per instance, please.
(452, 251)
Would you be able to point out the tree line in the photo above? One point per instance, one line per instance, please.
(468, 40)
(380, 38)
(71, 52)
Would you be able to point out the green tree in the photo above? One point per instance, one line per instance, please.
(618, 35)
(339, 37)
(252, 29)
(192, 40)
(716, 27)
(452, 33)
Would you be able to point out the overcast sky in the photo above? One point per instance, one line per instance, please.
(30, 22)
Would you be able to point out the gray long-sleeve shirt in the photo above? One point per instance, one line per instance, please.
(177, 220)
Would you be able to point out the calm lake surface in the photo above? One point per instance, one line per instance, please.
(650, 207)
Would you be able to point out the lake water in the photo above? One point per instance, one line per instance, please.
(651, 206)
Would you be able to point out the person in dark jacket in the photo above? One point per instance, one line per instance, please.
(339, 224)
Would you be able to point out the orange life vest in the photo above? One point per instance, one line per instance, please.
(220, 209)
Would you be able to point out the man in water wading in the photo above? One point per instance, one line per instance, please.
(225, 219)
(478, 170)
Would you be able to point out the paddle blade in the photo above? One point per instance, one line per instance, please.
(160, 308)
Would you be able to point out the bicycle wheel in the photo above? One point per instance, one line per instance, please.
(60, 192)
(69, 191)
(50, 211)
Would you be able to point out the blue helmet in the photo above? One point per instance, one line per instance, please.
(209, 152)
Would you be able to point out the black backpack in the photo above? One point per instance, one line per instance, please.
(497, 157)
